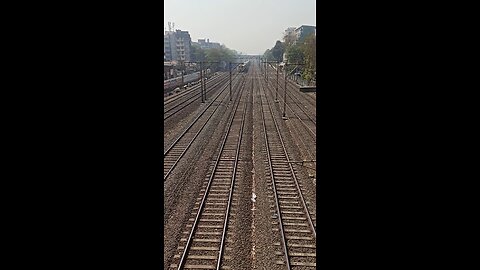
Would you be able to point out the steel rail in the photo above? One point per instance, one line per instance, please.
(297, 99)
(292, 171)
(297, 102)
(193, 139)
(280, 222)
(207, 189)
(185, 103)
(195, 120)
(169, 99)
(294, 85)
(213, 82)
(231, 188)
(312, 133)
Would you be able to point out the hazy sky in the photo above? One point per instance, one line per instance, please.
(247, 26)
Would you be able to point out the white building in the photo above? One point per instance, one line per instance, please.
(206, 44)
(176, 45)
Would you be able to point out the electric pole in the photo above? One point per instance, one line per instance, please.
(265, 70)
(205, 84)
(285, 90)
(277, 62)
(276, 94)
(183, 71)
(201, 81)
(230, 72)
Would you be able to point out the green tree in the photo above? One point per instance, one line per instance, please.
(295, 54)
(277, 51)
(197, 53)
(289, 37)
(223, 55)
(268, 55)
(310, 53)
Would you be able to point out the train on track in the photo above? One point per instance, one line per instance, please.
(244, 67)
(177, 82)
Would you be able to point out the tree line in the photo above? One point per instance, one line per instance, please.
(223, 55)
(296, 51)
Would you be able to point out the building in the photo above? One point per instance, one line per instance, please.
(304, 31)
(206, 44)
(169, 70)
(176, 45)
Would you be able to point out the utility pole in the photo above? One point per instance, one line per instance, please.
(201, 81)
(230, 71)
(205, 84)
(285, 90)
(276, 95)
(277, 62)
(203, 73)
(285, 93)
(265, 69)
(183, 71)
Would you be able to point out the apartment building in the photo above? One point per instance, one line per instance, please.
(176, 45)
(303, 31)
(206, 44)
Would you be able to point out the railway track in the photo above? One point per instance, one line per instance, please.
(206, 241)
(194, 90)
(307, 122)
(174, 106)
(293, 93)
(292, 219)
(195, 86)
(299, 126)
(307, 97)
(174, 153)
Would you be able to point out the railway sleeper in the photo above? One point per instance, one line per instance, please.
(288, 197)
(282, 191)
(296, 231)
(303, 264)
(285, 186)
(281, 179)
(204, 233)
(213, 214)
(286, 202)
(293, 213)
(218, 192)
(293, 218)
(194, 266)
(205, 248)
(211, 198)
(207, 220)
(294, 237)
(285, 174)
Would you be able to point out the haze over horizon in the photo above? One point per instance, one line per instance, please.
(247, 26)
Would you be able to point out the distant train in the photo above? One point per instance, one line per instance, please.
(244, 66)
(177, 82)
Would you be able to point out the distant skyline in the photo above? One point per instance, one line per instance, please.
(247, 26)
